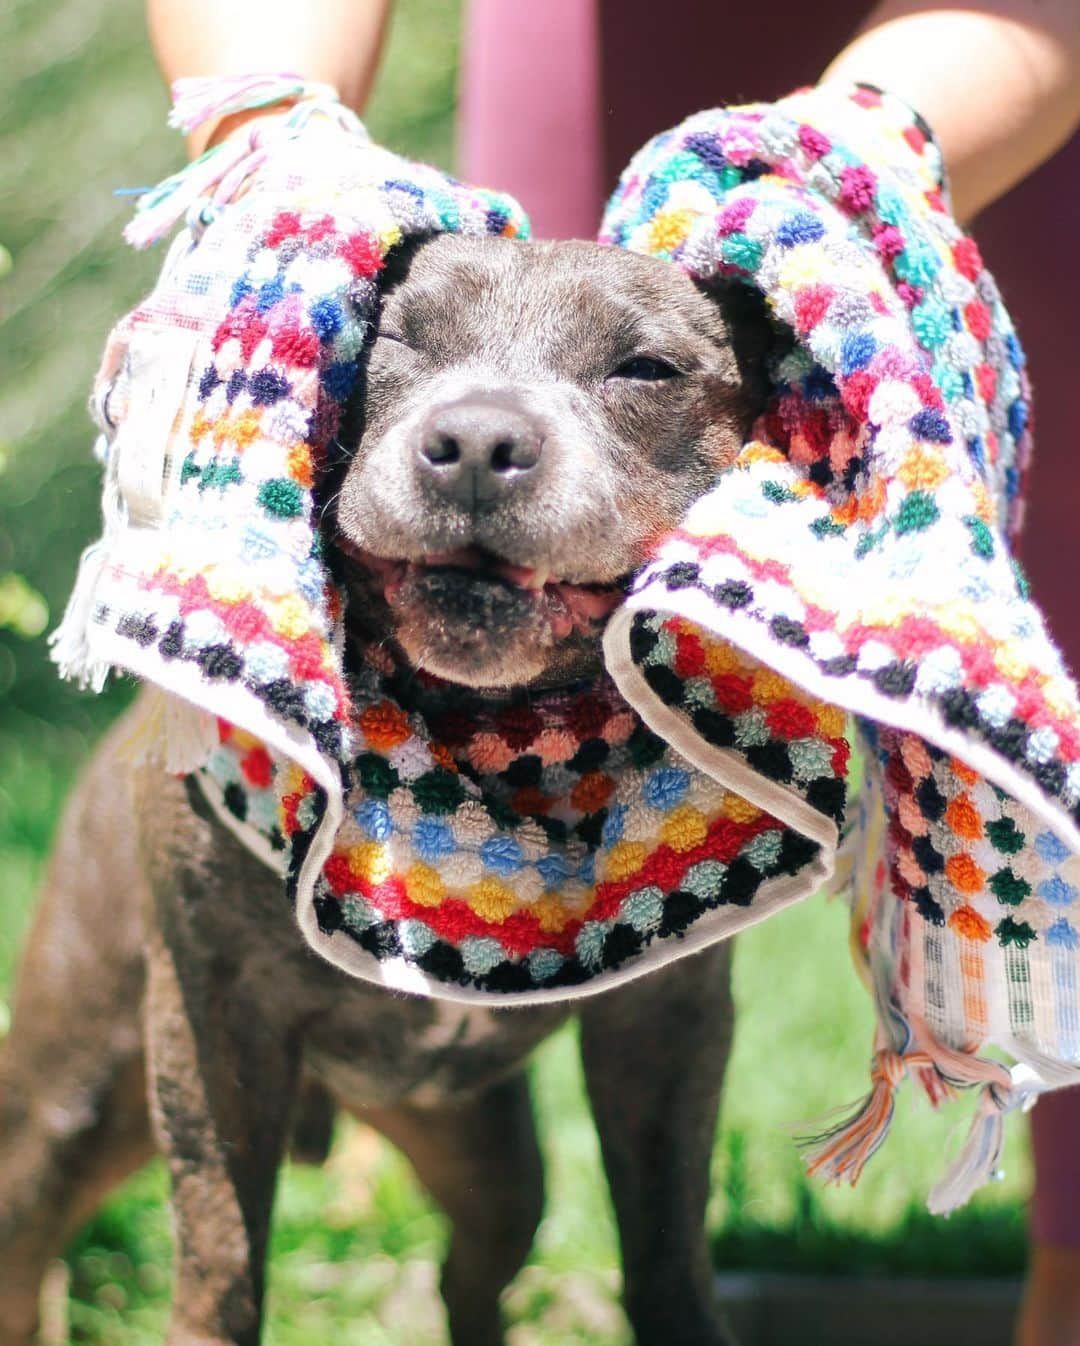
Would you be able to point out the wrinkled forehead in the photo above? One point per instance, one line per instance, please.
(560, 305)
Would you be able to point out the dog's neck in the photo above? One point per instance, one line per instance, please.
(503, 737)
(430, 696)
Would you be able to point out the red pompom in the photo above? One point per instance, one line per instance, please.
(811, 305)
(689, 657)
(978, 318)
(857, 391)
(363, 254)
(788, 718)
(915, 139)
(285, 224)
(986, 377)
(733, 694)
(295, 347)
(967, 257)
(258, 768)
(339, 876)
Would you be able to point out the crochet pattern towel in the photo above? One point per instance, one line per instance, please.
(854, 559)
(860, 548)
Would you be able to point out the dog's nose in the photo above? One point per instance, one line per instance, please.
(475, 451)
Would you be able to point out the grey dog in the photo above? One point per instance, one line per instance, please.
(532, 416)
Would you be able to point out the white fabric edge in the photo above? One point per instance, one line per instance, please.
(848, 693)
(719, 924)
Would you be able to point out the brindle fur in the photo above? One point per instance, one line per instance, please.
(165, 964)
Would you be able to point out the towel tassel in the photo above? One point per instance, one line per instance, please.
(69, 644)
(190, 736)
(841, 1153)
(217, 176)
(978, 1158)
(171, 733)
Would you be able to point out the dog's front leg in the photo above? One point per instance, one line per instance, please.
(654, 1055)
(222, 1086)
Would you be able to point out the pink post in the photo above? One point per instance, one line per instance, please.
(530, 109)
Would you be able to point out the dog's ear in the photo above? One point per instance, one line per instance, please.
(398, 262)
(758, 342)
(395, 272)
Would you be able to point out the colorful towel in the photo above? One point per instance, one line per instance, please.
(855, 559)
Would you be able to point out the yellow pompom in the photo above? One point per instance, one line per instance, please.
(668, 229)
(758, 452)
(624, 858)
(245, 429)
(492, 900)
(424, 886)
(1010, 661)
(288, 617)
(924, 469)
(550, 914)
(831, 720)
(722, 658)
(684, 828)
(226, 587)
(370, 862)
(770, 686)
(298, 462)
(739, 810)
(957, 620)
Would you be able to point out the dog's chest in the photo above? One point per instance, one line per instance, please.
(424, 1051)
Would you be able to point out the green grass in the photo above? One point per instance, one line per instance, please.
(356, 1243)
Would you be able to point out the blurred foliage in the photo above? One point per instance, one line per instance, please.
(355, 1242)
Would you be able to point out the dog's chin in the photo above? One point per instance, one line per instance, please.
(483, 631)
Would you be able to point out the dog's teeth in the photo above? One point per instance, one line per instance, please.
(538, 579)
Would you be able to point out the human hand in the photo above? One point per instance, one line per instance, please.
(997, 80)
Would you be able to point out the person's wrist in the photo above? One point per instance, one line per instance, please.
(211, 134)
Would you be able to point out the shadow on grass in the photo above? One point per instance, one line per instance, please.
(339, 1261)
(989, 1242)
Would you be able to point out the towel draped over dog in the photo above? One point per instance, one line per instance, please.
(855, 560)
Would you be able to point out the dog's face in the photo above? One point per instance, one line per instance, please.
(534, 417)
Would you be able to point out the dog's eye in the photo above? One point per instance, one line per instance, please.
(646, 369)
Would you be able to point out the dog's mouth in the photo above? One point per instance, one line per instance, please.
(474, 617)
(565, 605)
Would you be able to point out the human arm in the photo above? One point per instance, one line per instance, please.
(997, 80)
(337, 42)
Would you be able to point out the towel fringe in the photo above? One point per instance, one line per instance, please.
(171, 733)
(69, 644)
(190, 736)
(977, 1161)
(198, 98)
(217, 176)
(161, 207)
(840, 1153)
(978, 1158)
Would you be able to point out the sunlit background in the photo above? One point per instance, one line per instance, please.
(356, 1243)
